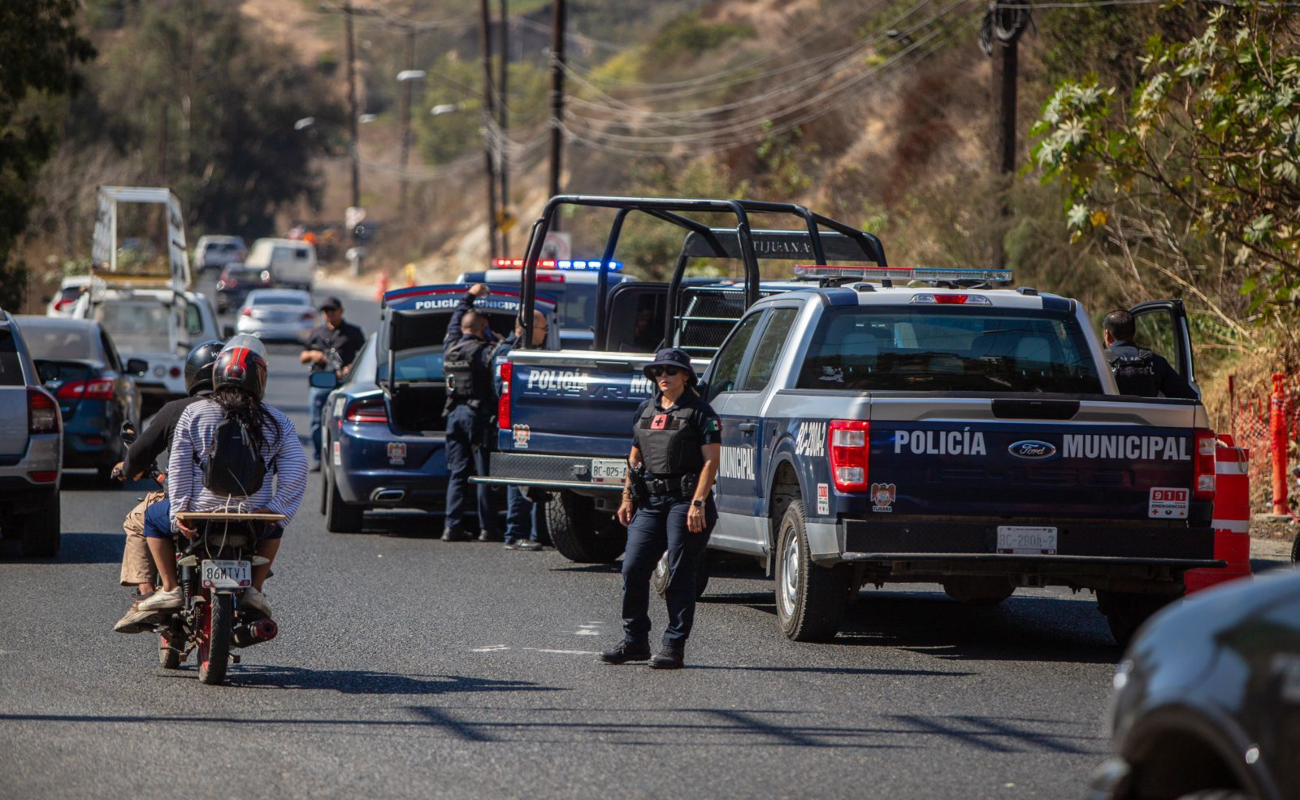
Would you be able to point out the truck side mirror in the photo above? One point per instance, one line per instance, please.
(227, 331)
(137, 366)
(47, 371)
(325, 379)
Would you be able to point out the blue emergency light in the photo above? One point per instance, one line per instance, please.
(563, 264)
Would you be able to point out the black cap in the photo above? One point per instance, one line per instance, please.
(672, 357)
(330, 303)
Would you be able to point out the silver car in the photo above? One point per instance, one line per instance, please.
(277, 315)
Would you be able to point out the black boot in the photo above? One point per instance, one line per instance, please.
(668, 658)
(454, 535)
(624, 652)
(488, 536)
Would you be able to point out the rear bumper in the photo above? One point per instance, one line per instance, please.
(362, 470)
(546, 472)
(288, 332)
(18, 492)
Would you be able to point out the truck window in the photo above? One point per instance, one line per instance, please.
(727, 361)
(191, 319)
(11, 369)
(140, 327)
(864, 348)
(1155, 332)
(769, 349)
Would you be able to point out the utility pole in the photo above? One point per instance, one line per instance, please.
(162, 144)
(557, 100)
(489, 112)
(503, 47)
(1003, 27)
(352, 107)
(405, 150)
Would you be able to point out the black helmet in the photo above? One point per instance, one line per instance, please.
(198, 367)
(240, 366)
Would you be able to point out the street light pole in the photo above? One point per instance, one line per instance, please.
(352, 106)
(405, 150)
(503, 46)
(557, 100)
(489, 111)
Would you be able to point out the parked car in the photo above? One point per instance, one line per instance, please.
(77, 362)
(277, 315)
(61, 304)
(215, 252)
(292, 263)
(31, 449)
(236, 281)
(1206, 701)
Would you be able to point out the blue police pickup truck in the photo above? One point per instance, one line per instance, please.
(913, 430)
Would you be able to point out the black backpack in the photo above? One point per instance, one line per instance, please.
(234, 465)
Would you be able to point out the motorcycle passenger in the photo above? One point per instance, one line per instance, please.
(524, 518)
(471, 416)
(194, 483)
(137, 567)
(1139, 371)
(667, 505)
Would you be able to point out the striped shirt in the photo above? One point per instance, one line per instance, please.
(194, 433)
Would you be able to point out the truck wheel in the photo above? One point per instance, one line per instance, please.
(324, 486)
(340, 517)
(583, 534)
(40, 529)
(810, 599)
(1126, 611)
(974, 590)
(703, 569)
(1295, 551)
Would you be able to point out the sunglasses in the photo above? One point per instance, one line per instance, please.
(671, 372)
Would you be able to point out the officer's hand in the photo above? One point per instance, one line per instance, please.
(117, 471)
(695, 520)
(625, 512)
(479, 290)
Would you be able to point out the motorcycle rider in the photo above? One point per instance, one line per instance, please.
(137, 567)
(239, 384)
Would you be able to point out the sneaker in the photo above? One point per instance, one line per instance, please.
(485, 536)
(256, 600)
(162, 601)
(527, 545)
(315, 467)
(668, 658)
(624, 652)
(454, 535)
(135, 620)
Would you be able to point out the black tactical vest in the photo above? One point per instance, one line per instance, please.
(468, 378)
(1135, 371)
(670, 444)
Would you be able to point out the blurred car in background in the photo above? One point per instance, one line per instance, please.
(292, 263)
(215, 252)
(1206, 702)
(77, 362)
(236, 281)
(277, 315)
(61, 304)
(31, 449)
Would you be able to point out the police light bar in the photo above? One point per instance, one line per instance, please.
(588, 266)
(815, 271)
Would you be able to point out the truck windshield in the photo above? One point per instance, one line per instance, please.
(135, 327)
(949, 349)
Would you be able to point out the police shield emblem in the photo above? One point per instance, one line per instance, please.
(882, 497)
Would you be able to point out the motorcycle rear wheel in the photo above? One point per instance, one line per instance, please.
(214, 649)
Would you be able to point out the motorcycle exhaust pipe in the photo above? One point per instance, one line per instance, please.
(263, 630)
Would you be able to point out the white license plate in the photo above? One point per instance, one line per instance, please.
(608, 470)
(226, 574)
(1027, 540)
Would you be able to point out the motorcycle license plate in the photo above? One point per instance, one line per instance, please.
(226, 574)
(608, 470)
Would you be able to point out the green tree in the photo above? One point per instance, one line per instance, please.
(1194, 178)
(454, 82)
(41, 47)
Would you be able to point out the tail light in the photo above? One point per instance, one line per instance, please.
(307, 315)
(1205, 464)
(503, 403)
(372, 409)
(66, 301)
(42, 412)
(850, 445)
(96, 389)
(248, 312)
(175, 372)
(228, 283)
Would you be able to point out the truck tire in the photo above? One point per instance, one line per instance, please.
(810, 599)
(974, 590)
(1126, 611)
(581, 533)
(40, 529)
(340, 516)
(703, 569)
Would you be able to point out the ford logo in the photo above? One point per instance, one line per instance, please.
(1032, 448)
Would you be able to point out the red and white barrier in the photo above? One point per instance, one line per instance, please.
(1231, 518)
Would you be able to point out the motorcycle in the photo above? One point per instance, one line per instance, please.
(213, 568)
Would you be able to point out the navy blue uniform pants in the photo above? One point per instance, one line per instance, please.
(470, 436)
(658, 526)
(524, 518)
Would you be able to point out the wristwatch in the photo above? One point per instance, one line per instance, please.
(697, 504)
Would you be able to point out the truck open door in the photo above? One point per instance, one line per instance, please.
(1162, 328)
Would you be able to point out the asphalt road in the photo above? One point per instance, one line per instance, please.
(406, 667)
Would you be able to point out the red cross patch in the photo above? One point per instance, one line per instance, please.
(658, 423)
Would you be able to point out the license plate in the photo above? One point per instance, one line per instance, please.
(1026, 540)
(608, 470)
(226, 574)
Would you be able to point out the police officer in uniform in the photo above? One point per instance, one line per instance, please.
(471, 415)
(1139, 371)
(667, 505)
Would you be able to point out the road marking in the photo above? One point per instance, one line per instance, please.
(564, 652)
(588, 629)
(492, 648)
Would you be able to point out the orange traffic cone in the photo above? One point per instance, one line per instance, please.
(381, 285)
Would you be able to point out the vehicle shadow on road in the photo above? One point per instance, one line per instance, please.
(75, 548)
(369, 682)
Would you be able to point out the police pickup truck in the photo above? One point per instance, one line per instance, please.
(917, 431)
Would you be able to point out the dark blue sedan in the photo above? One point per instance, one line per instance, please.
(78, 363)
(383, 426)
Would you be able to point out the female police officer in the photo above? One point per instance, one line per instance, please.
(667, 505)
